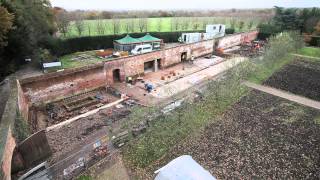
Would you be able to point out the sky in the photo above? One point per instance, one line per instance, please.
(178, 4)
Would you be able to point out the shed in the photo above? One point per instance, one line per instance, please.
(183, 168)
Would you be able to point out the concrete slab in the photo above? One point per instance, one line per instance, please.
(186, 82)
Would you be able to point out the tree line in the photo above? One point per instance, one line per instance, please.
(25, 27)
(244, 13)
(306, 21)
(29, 28)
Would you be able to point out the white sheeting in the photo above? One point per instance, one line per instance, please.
(183, 168)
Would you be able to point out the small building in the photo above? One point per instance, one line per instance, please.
(216, 29)
(128, 43)
(212, 31)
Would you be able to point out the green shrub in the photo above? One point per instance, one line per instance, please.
(21, 130)
(230, 30)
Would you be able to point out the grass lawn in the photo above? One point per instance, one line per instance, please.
(263, 72)
(310, 51)
(69, 62)
(164, 24)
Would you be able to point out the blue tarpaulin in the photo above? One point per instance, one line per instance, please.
(183, 168)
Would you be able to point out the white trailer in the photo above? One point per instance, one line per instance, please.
(212, 31)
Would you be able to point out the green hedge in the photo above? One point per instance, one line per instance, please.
(61, 47)
(230, 30)
(315, 41)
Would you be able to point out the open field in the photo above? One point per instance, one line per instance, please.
(261, 136)
(299, 77)
(166, 24)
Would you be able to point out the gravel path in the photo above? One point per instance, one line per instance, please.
(286, 95)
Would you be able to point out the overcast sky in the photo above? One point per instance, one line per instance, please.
(178, 4)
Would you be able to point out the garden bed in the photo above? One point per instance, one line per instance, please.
(261, 136)
(299, 77)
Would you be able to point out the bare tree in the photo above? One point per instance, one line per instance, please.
(143, 24)
(175, 24)
(195, 24)
(115, 25)
(205, 22)
(131, 25)
(159, 25)
(89, 28)
(126, 26)
(241, 25)
(79, 24)
(63, 22)
(250, 25)
(100, 27)
(232, 23)
(185, 24)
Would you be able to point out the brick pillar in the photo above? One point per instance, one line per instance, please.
(155, 64)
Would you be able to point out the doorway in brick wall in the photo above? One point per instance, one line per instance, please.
(184, 56)
(116, 75)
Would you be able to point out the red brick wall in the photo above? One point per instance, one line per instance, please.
(236, 39)
(7, 156)
(59, 86)
(22, 102)
(53, 86)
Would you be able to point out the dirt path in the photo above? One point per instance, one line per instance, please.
(303, 56)
(286, 95)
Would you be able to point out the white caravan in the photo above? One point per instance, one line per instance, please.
(141, 49)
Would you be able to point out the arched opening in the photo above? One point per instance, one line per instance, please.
(183, 56)
(116, 75)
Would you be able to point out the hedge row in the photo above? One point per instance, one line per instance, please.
(315, 41)
(61, 47)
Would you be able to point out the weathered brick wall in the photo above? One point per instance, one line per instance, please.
(7, 156)
(7, 141)
(135, 65)
(236, 39)
(56, 87)
(22, 102)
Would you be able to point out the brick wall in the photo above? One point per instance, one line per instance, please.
(53, 86)
(7, 156)
(58, 86)
(7, 141)
(236, 39)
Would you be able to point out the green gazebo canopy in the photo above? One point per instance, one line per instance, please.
(148, 38)
(128, 40)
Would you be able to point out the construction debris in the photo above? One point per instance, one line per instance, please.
(119, 140)
(139, 129)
